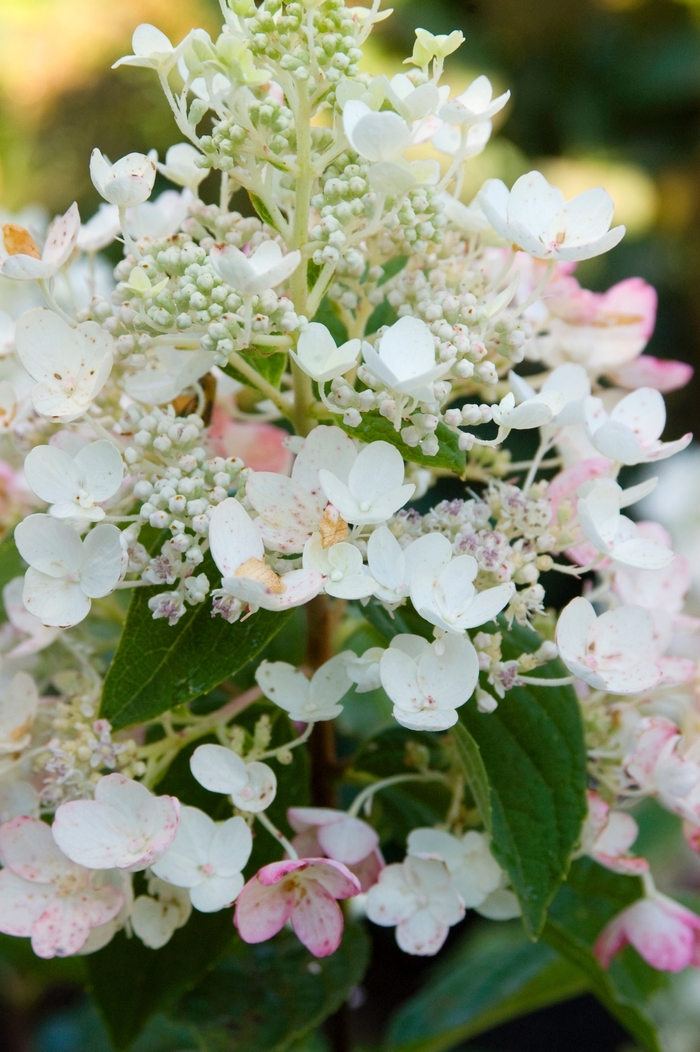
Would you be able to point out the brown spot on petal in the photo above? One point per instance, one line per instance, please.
(257, 570)
(19, 242)
(332, 527)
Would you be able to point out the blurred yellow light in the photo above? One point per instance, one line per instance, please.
(49, 46)
(631, 188)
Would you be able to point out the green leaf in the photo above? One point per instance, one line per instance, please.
(375, 428)
(392, 268)
(487, 980)
(270, 366)
(130, 983)
(533, 750)
(11, 565)
(262, 210)
(469, 756)
(326, 315)
(263, 998)
(383, 314)
(590, 898)
(158, 666)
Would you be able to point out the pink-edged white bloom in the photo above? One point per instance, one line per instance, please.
(393, 567)
(342, 567)
(608, 835)
(302, 891)
(374, 489)
(319, 357)
(37, 636)
(66, 573)
(251, 786)
(75, 486)
(610, 652)
(100, 230)
(602, 331)
(238, 551)
(613, 534)
(180, 166)
(631, 433)
(569, 380)
(61, 238)
(664, 374)
(19, 702)
(263, 269)
(70, 365)
(306, 700)
(474, 872)
(662, 931)
(659, 767)
(446, 597)
(44, 895)
(126, 183)
(124, 827)
(156, 917)
(428, 682)
(152, 50)
(207, 858)
(418, 897)
(535, 217)
(290, 509)
(404, 358)
(323, 832)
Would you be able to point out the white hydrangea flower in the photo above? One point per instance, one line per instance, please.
(364, 670)
(156, 917)
(238, 551)
(251, 786)
(75, 486)
(376, 136)
(631, 433)
(428, 682)
(319, 357)
(474, 105)
(152, 50)
(374, 490)
(535, 217)
(180, 166)
(207, 857)
(124, 827)
(170, 373)
(156, 219)
(21, 259)
(37, 636)
(19, 701)
(126, 183)
(70, 365)
(614, 534)
(65, 573)
(393, 567)
(570, 381)
(341, 564)
(446, 597)
(474, 871)
(46, 896)
(100, 230)
(413, 103)
(307, 701)
(610, 652)
(290, 509)
(535, 411)
(418, 897)
(462, 143)
(404, 358)
(263, 269)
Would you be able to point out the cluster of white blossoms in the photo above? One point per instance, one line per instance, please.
(140, 447)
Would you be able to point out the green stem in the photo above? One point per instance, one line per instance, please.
(259, 382)
(367, 793)
(279, 837)
(303, 391)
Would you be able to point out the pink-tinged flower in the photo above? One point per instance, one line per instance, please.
(418, 897)
(602, 331)
(662, 931)
(646, 371)
(659, 767)
(303, 891)
(124, 827)
(323, 831)
(260, 446)
(564, 487)
(45, 896)
(608, 835)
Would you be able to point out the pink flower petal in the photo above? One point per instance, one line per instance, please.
(317, 920)
(646, 371)
(263, 910)
(260, 446)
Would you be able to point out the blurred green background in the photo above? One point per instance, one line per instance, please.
(604, 92)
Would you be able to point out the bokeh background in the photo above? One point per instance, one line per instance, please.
(604, 92)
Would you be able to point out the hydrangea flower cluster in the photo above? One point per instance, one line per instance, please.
(244, 422)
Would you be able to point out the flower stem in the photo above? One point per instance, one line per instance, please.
(367, 794)
(279, 837)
